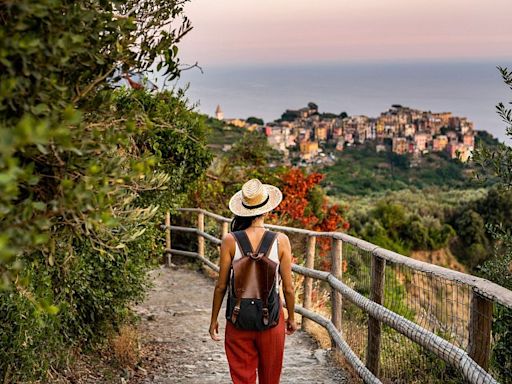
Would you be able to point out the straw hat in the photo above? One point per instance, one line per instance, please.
(255, 199)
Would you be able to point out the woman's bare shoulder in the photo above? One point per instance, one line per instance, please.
(282, 238)
(228, 238)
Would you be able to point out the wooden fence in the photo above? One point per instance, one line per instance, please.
(472, 362)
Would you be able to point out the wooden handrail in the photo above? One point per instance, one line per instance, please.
(212, 238)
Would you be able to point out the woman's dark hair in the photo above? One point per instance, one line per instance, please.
(240, 223)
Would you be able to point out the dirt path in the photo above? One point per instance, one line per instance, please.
(174, 334)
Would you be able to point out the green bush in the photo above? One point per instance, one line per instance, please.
(83, 169)
(400, 228)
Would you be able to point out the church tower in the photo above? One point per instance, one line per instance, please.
(218, 113)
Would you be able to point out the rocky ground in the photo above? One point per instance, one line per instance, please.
(176, 346)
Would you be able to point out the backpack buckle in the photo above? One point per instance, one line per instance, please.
(235, 313)
(265, 316)
(255, 255)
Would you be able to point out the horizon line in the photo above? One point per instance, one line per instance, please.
(393, 61)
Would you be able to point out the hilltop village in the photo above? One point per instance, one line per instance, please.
(308, 134)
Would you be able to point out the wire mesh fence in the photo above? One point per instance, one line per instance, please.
(356, 275)
(437, 305)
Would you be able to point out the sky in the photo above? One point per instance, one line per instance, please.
(256, 32)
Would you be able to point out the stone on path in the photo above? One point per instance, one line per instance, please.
(174, 335)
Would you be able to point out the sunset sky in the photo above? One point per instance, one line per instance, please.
(306, 31)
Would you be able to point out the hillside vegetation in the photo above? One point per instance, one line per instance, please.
(360, 171)
(221, 134)
(432, 219)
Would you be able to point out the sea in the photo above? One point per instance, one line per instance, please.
(470, 89)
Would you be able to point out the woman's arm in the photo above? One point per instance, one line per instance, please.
(285, 269)
(227, 245)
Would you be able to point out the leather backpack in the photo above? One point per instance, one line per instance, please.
(253, 299)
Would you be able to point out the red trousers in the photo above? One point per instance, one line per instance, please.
(251, 351)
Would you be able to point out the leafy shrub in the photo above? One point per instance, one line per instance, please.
(83, 168)
(397, 227)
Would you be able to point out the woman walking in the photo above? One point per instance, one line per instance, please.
(252, 352)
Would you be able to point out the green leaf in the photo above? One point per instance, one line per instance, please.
(52, 310)
(40, 109)
(39, 205)
(6, 178)
(41, 148)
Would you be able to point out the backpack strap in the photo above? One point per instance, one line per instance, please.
(243, 242)
(245, 245)
(266, 243)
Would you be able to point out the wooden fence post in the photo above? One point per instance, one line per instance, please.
(480, 324)
(336, 271)
(378, 266)
(308, 281)
(200, 238)
(167, 251)
(224, 230)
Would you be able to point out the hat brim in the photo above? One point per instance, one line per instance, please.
(274, 199)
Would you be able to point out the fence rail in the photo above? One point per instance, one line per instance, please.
(472, 361)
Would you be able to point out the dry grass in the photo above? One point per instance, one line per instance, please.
(320, 299)
(343, 363)
(352, 332)
(125, 346)
(320, 334)
(355, 334)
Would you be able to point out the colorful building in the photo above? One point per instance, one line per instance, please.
(400, 146)
(439, 143)
(308, 149)
(420, 141)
